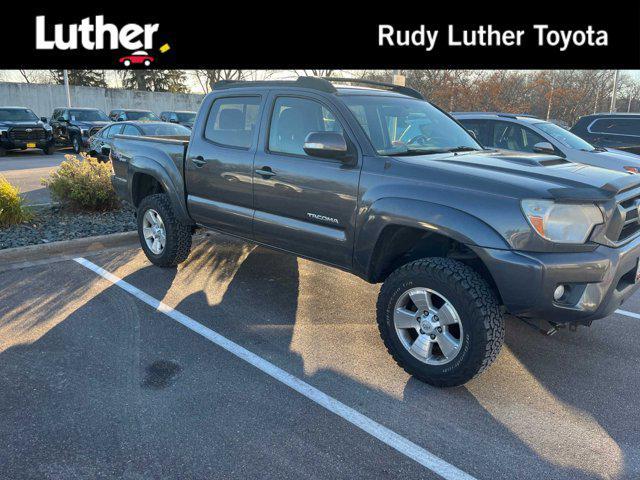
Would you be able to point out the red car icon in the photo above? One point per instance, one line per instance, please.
(137, 58)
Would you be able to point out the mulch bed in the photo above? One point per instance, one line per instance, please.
(53, 224)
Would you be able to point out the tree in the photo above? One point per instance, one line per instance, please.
(154, 80)
(208, 78)
(84, 78)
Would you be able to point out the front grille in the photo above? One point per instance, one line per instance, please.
(94, 130)
(628, 209)
(24, 134)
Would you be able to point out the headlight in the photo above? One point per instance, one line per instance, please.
(562, 222)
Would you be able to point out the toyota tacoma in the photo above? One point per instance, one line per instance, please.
(458, 235)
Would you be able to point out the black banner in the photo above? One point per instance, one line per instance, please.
(187, 35)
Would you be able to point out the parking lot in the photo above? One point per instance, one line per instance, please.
(26, 169)
(100, 380)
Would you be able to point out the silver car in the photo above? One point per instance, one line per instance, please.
(526, 133)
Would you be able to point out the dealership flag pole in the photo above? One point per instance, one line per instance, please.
(612, 108)
(66, 87)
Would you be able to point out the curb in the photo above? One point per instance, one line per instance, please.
(24, 256)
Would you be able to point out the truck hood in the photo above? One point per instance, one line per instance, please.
(524, 175)
(27, 123)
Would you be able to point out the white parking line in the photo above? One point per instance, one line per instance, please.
(382, 433)
(628, 314)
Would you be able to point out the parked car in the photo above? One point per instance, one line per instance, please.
(137, 58)
(101, 143)
(610, 130)
(183, 117)
(531, 134)
(455, 232)
(20, 129)
(72, 127)
(122, 115)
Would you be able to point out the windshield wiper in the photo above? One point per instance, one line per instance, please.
(462, 149)
(407, 153)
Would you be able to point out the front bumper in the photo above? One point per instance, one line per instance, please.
(598, 281)
(8, 144)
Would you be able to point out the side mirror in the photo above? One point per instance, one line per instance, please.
(43, 119)
(120, 118)
(326, 145)
(544, 147)
(173, 120)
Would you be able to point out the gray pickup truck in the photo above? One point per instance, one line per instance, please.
(383, 184)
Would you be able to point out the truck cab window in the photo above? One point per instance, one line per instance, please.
(293, 119)
(232, 121)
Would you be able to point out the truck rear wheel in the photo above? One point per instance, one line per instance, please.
(440, 321)
(166, 241)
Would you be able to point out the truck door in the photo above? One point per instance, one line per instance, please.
(304, 204)
(219, 163)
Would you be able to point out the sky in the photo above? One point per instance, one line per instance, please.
(194, 84)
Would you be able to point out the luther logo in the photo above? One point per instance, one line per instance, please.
(94, 35)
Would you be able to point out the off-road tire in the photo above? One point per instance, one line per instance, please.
(178, 243)
(475, 303)
(77, 149)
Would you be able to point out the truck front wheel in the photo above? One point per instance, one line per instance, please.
(440, 321)
(166, 241)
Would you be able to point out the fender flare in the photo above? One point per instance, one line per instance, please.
(428, 216)
(170, 179)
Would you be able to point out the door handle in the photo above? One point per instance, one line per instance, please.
(199, 161)
(265, 172)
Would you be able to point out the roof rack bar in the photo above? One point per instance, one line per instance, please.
(323, 84)
(315, 83)
(387, 86)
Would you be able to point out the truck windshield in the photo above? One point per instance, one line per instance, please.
(17, 115)
(404, 126)
(88, 116)
(565, 137)
(133, 115)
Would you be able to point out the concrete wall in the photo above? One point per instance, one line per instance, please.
(42, 99)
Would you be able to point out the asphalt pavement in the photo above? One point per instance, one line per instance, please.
(26, 168)
(96, 383)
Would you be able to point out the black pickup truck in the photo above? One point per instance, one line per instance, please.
(20, 129)
(383, 184)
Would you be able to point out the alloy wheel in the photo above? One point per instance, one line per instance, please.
(428, 326)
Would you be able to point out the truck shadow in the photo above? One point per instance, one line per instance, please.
(85, 380)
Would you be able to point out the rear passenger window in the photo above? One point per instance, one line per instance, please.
(130, 130)
(232, 121)
(293, 119)
(113, 131)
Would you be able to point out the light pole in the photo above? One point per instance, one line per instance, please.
(65, 74)
(398, 78)
(612, 107)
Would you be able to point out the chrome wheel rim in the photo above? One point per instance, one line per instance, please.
(428, 326)
(76, 145)
(153, 231)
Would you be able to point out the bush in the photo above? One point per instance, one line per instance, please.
(83, 184)
(12, 209)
